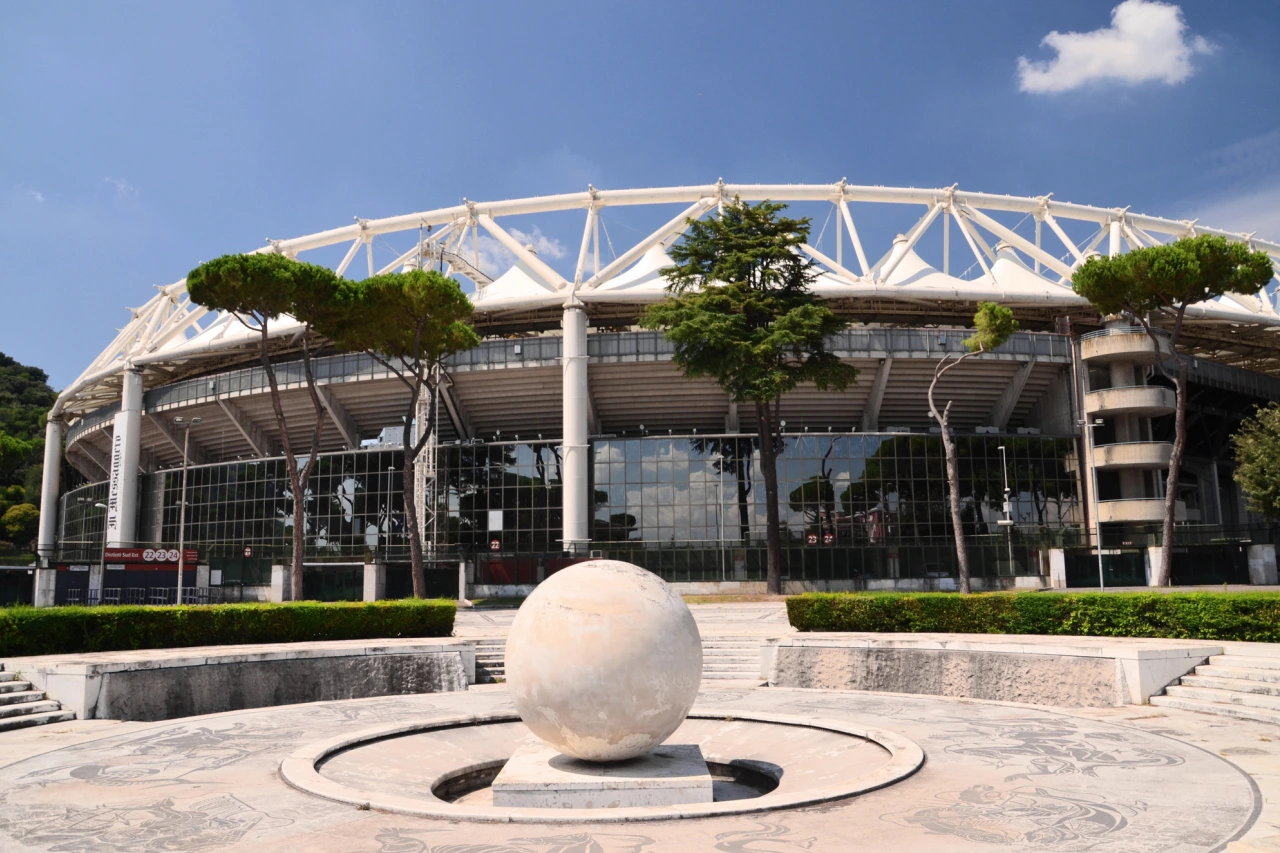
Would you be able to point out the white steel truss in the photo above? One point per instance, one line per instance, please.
(170, 336)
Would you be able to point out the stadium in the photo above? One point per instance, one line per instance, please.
(569, 432)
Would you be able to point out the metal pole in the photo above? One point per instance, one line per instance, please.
(1097, 506)
(182, 511)
(1008, 517)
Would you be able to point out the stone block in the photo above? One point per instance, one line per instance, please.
(539, 777)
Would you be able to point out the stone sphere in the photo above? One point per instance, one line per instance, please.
(603, 661)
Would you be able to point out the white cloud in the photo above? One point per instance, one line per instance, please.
(1256, 209)
(1147, 41)
(36, 196)
(495, 259)
(124, 189)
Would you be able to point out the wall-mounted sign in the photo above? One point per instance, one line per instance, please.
(78, 568)
(115, 567)
(149, 555)
(811, 539)
(828, 539)
(248, 552)
(495, 544)
(495, 520)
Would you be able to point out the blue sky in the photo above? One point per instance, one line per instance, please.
(138, 139)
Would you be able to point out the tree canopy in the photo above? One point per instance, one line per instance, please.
(1167, 276)
(263, 286)
(1257, 450)
(416, 315)
(739, 310)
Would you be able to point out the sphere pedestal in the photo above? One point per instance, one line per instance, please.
(539, 777)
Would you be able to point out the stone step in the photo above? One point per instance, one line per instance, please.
(39, 706)
(732, 658)
(14, 686)
(731, 676)
(1253, 650)
(28, 720)
(490, 658)
(1228, 697)
(731, 650)
(21, 696)
(1267, 675)
(1245, 661)
(711, 665)
(1237, 685)
(1234, 711)
(8, 676)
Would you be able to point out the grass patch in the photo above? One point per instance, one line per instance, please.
(1251, 616)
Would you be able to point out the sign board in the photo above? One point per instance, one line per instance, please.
(78, 568)
(828, 539)
(149, 555)
(811, 539)
(248, 552)
(215, 576)
(495, 520)
(115, 567)
(495, 544)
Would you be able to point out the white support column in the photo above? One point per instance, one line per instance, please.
(1113, 241)
(575, 449)
(54, 429)
(871, 414)
(126, 444)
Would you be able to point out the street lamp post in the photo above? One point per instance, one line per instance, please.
(1007, 521)
(182, 501)
(103, 563)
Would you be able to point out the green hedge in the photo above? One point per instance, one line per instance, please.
(70, 630)
(1196, 615)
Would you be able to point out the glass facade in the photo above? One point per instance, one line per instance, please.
(853, 505)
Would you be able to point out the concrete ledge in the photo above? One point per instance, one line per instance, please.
(161, 684)
(1073, 672)
(796, 587)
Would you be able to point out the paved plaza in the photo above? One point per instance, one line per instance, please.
(997, 776)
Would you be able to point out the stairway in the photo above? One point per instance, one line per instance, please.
(731, 658)
(723, 659)
(20, 706)
(491, 661)
(1243, 684)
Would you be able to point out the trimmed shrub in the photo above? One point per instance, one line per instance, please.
(1253, 616)
(71, 630)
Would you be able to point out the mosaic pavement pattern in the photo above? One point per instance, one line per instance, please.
(996, 778)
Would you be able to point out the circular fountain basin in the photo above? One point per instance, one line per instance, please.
(442, 767)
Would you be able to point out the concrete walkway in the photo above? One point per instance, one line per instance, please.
(998, 776)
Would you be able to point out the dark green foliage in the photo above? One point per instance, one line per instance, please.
(1257, 447)
(20, 523)
(25, 399)
(1252, 616)
(262, 286)
(71, 630)
(1170, 276)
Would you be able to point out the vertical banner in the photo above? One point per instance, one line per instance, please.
(126, 445)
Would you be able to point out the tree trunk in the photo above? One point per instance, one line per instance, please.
(744, 512)
(303, 476)
(953, 482)
(291, 467)
(773, 528)
(1164, 577)
(953, 470)
(412, 530)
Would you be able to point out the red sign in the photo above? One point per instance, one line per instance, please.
(495, 544)
(150, 555)
(811, 539)
(248, 552)
(828, 539)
